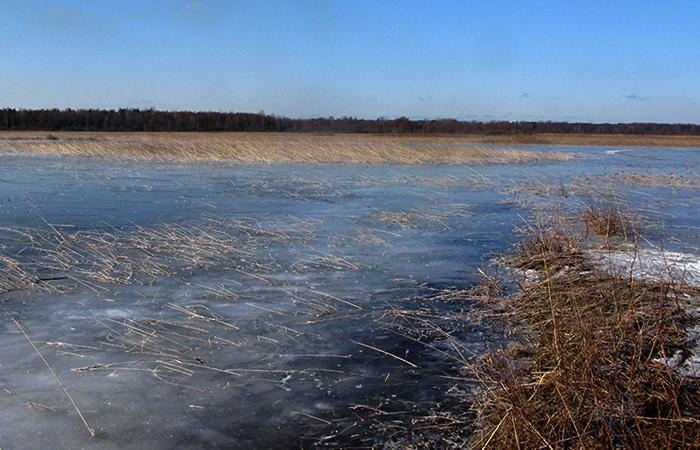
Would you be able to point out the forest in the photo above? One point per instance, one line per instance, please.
(131, 119)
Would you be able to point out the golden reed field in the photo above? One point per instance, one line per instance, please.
(315, 148)
(272, 147)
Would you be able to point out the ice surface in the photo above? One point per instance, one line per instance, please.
(256, 346)
(652, 264)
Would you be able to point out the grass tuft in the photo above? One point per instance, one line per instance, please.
(609, 221)
(593, 371)
(590, 359)
(546, 248)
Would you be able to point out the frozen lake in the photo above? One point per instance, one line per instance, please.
(250, 306)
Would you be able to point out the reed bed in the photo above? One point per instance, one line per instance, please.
(188, 341)
(55, 259)
(573, 139)
(269, 147)
(605, 140)
(589, 358)
(591, 372)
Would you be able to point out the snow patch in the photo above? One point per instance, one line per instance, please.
(650, 264)
(662, 266)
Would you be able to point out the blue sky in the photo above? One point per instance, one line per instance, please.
(516, 60)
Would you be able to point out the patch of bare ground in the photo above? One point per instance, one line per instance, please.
(269, 147)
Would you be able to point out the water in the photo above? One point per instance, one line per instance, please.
(276, 342)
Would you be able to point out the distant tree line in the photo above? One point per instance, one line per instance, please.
(154, 120)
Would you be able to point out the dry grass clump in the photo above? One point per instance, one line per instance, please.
(610, 221)
(591, 360)
(14, 277)
(590, 371)
(605, 221)
(270, 147)
(593, 376)
(546, 248)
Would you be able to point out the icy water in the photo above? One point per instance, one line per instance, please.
(256, 306)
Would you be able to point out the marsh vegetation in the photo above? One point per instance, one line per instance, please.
(270, 148)
(599, 361)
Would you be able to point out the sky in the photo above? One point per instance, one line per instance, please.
(570, 60)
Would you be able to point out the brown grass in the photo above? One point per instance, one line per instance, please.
(589, 372)
(56, 259)
(591, 360)
(548, 248)
(268, 147)
(592, 139)
(610, 221)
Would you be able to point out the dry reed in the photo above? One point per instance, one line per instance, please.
(589, 370)
(54, 259)
(590, 360)
(269, 147)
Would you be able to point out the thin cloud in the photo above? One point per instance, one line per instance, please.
(202, 14)
(64, 16)
(194, 6)
(547, 98)
(60, 13)
(73, 22)
(552, 98)
(635, 97)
